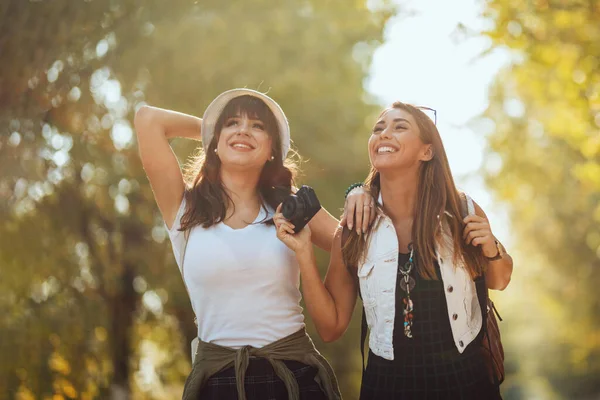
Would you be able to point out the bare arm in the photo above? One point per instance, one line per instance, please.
(323, 226)
(343, 287)
(330, 305)
(478, 233)
(358, 206)
(154, 126)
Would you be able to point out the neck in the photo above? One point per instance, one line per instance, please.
(241, 186)
(399, 193)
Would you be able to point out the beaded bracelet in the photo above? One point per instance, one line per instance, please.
(353, 186)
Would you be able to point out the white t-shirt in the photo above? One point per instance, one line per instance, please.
(243, 283)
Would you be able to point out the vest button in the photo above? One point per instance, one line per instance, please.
(450, 289)
(454, 317)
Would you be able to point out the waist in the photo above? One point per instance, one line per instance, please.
(211, 359)
(254, 331)
(288, 347)
(258, 366)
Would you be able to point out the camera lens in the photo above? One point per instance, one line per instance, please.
(292, 208)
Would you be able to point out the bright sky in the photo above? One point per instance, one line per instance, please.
(426, 60)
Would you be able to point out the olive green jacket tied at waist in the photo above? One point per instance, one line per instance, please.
(211, 359)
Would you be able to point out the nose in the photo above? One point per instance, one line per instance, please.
(386, 133)
(244, 127)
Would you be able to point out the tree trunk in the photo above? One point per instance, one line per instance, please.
(123, 306)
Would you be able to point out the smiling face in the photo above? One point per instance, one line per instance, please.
(247, 134)
(396, 142)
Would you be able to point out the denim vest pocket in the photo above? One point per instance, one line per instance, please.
(368, 291)
(365, 270)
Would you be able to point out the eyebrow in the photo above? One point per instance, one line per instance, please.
(394, 120)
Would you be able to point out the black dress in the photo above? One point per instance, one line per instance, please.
(428, 366)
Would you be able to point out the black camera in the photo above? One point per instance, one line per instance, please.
(299, 208)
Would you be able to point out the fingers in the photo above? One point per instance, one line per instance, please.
(278, 208)
(358, 215)
(474, 226)
(480, 241)
(475, 234)
(343, 220)
(349, 211)
(284, 229)
(367, 211)
(373, 214)
(477, 231)
(280, 221)
(474, 218)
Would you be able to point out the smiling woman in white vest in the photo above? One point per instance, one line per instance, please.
(242, 281)
(420, 268)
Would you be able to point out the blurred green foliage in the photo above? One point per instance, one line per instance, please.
(544, 163)
(93, 305)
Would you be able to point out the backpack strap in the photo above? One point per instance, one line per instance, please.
(467, 206)
(486, 304)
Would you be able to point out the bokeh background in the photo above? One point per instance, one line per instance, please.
(91, 303)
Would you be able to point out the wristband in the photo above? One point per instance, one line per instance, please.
(353, 186)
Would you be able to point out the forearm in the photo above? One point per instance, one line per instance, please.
(323, 226)
(172, 123)
(499, 272)
(319, 302)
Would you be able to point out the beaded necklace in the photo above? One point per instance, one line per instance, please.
(407, 283)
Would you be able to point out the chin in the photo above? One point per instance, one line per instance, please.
(384, 165)
(245, 163)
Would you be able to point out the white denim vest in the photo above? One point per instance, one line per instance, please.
(377, 278)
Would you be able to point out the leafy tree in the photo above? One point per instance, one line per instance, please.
(95, 306)
(545, 147)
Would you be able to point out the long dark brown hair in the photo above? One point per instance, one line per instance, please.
(206, 197)
(436, 196)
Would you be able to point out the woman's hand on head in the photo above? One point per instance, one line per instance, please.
(298, 242)
(359, 210)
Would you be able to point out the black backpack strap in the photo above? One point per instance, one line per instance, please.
(483, 293)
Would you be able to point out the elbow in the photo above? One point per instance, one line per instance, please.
(500, 276)
(143, 116)
(329, 338)
(329, 335)
(500, 284)
(504, 284)
(507, 277)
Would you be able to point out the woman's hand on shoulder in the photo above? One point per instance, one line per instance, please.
(359, 210)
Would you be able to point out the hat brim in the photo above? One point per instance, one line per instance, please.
(216, 107)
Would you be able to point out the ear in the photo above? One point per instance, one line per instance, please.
(427, 153)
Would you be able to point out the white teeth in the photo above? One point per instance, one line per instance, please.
(241, 146)
(386, 149)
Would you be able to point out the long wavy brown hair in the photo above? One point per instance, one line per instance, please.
(437, 198)
(206, 198)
